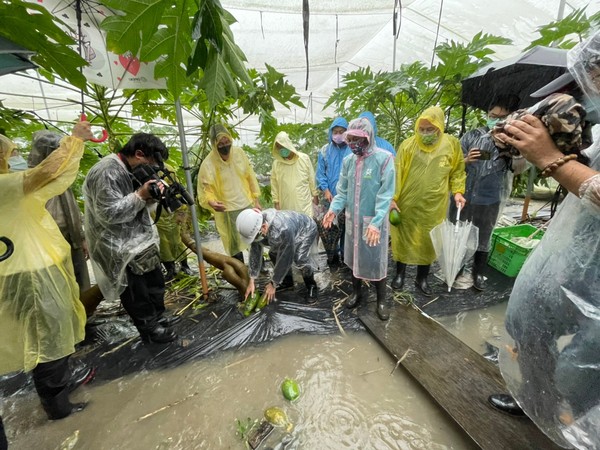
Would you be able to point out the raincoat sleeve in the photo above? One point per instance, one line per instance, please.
(111, 203)
(255, 259)
(466, 142)
(321, 175)
(385, 193)
(251, 178)
(311, 178)
(458, 175)
(339, 201)
(206, 185)
(275, 182)
(402, 165)
(589, 192)
(57, 172)
(285, 245)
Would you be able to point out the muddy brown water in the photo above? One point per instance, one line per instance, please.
(350, 399)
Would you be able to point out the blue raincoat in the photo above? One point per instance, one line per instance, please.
(365, 189)
(329, 162)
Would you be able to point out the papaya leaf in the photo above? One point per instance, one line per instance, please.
(216, 78)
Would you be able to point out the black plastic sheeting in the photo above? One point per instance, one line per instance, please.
(113, 346)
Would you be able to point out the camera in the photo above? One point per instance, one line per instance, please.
(173, 196)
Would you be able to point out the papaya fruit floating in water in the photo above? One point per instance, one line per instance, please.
(394, 217)
(250, 303)
(290, 389)
(277, 417)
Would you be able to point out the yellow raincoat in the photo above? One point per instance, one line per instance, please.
(41, 317)
(293, 183)
(232, 182)
(425, 175)
(169, 232)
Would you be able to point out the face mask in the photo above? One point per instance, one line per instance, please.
(338, 139)
(357, 148)
(592, 110)
(224, 150)
(429, 139)
(17, 163)
(284, 152)
(491, 123)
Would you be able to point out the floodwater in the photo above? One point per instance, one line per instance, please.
(352, 398)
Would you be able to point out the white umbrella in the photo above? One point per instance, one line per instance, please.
(454, 243)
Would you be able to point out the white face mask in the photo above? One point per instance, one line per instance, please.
(17, 163)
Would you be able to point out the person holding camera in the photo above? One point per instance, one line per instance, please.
(123, 241)
(489, 181)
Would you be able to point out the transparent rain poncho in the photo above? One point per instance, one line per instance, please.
(291, 236)
(553, 367)
(425, 176)
(118, 225)
(41, 317)
(232, 182)
(293, 183)
(365, 189)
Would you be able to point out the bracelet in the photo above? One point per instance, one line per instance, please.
(550, 168)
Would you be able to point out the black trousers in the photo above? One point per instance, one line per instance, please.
(51, 378)
(144, 298)
(3, 441)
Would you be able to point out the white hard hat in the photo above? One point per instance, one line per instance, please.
(248, 224)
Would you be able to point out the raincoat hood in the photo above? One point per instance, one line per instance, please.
(362, 127)
(216, 132)
(284, 140)
(435, 115)
(6, 148)
(43, 143)
(371, 118)
(337, 122)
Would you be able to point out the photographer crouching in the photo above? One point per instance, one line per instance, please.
(123, 241)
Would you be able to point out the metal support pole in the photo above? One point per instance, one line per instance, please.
(190, 188)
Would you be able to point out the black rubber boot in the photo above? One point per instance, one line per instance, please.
(169, 321)
(311, 289)
(421, 281)
(398, 281)
(81, 377)
(357, 294)
(506, 404)
(185, 268)
(158, 334)
(334, 261)
(288, 282)
(3, 440)
(479, 263)
(59, 406)
(382, 306)
(169, 270)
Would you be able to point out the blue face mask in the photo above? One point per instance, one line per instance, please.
(491, 123)
(284, 152)
(17, 163)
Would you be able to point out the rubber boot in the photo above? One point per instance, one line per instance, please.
(334, 261)
(59, 406)
(398, 281)
(157, 334)
(506, 404)
(81, 377)
(185, 267)
(357, 294)
(382, 306)
(479, 263)
(421, 281)
(311, 289)
(3, 440)
(169, 270)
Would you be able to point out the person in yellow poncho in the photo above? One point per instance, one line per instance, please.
(227, 185)
(41, 317)
(293, 185)
(429, 165)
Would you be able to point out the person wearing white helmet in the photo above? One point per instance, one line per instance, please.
(289, 236)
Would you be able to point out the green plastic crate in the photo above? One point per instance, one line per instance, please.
(506, 256)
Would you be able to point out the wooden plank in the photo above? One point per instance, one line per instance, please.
(457, 377)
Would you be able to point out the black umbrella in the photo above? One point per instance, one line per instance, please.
(14, 58)
(520, 76)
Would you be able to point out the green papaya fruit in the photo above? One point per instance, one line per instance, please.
(262, 302)
(250, 303)
(290, 389)
(394, 217)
